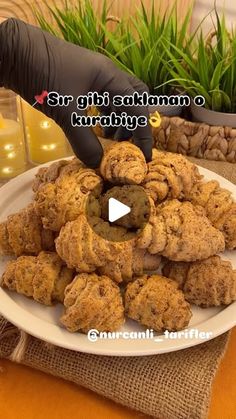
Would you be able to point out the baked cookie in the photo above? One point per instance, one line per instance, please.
(48, 174)
(123, 163)
(181, 232)
(210, 282)
(23, 233)
(219, 206)
(82, 248)
(227, 225)
(51, 173)
(170, 176)
(5, 248)
(129, 262)
(65, 199)
(92, 302)
(156, 302)
(43, 277)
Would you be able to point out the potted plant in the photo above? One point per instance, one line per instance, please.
(209, 70)
(80, 24)
(137, 48)
(134, 45)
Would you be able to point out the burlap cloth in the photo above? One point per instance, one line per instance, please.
(169, 386)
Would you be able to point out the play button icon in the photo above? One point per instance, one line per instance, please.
(119, 213)
(116, 210)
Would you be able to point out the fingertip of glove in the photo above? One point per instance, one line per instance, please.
(93, 160)
(145, 144)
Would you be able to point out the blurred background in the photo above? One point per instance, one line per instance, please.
(22, 8)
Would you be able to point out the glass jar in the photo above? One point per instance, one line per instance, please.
(45, 139)
(13, 157)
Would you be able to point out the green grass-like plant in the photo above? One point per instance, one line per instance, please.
(137, 47)
(79, 24)
(208, 68)
(157, 49)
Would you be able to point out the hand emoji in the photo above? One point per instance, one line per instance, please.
(155, 120)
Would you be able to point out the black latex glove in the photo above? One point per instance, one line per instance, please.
(32, 60)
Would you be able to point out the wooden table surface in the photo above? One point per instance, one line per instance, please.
(29, 394)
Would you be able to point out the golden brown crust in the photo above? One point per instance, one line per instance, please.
(177, 271)
(219, 203)
(5, 248)
(51, 173)
(48, 174)
(130, 262)
(23, 233)
(150, 262)
(227, 225)
(155, 302)
(220, 208)
(43, 277)
(18, 275)
(47, 272)
(74, 166)
(121, 268)
(201, 192)
(81, 248)
(170, 176)
(63, 201)
(211, 282)
(93, 302)
(123, 163)
(181, 232)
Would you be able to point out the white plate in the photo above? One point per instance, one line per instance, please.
(43, 322)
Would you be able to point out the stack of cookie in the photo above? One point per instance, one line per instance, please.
(68, 252)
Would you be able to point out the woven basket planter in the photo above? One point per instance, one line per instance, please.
(196, 139)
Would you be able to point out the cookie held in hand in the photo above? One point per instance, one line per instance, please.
(123, 163)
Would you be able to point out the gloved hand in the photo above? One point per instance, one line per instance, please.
(32, 60)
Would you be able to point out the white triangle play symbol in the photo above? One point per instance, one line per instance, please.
(116, 210)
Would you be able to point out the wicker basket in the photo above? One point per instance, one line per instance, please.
(196, 139)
